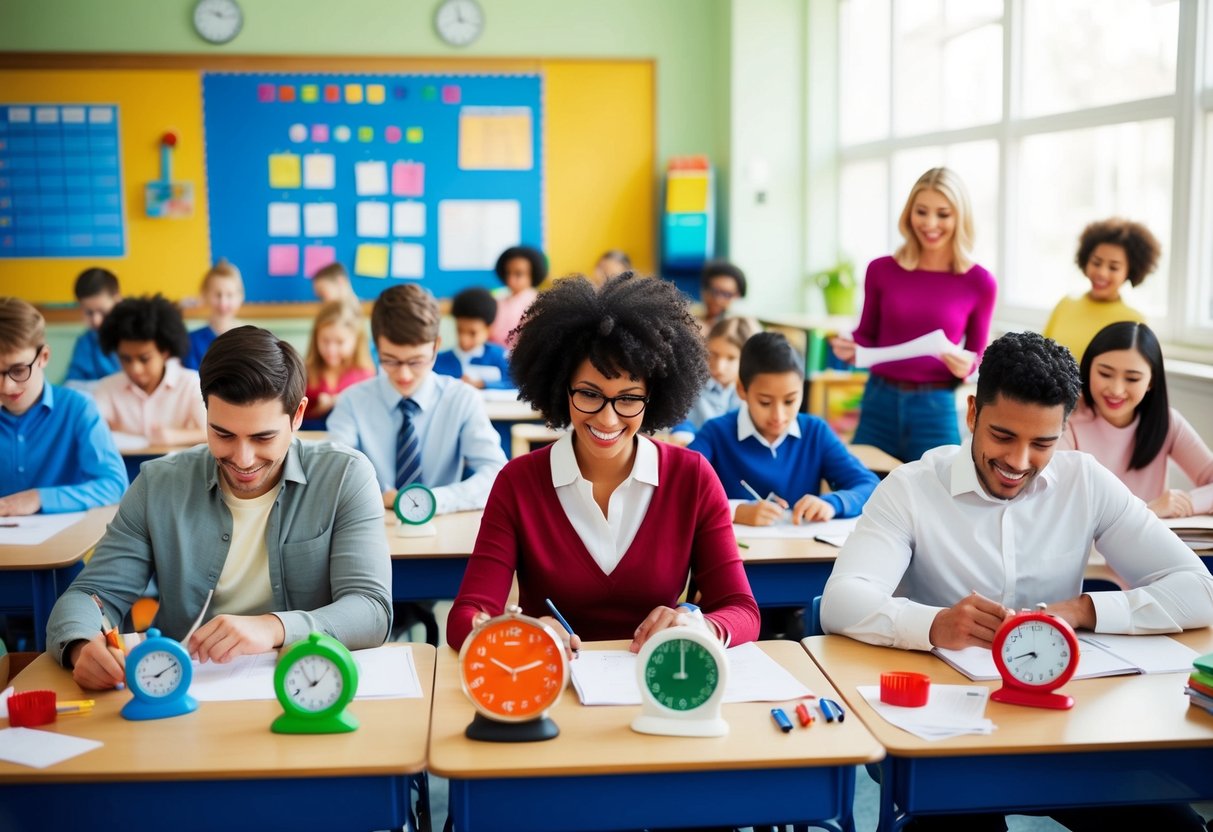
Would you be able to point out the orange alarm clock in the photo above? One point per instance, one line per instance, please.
(513, 668)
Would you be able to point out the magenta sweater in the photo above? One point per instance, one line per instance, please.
(900, 305)
(687, 529)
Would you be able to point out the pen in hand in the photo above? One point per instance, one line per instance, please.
(113, 638)
(561, 619)
(753, 493)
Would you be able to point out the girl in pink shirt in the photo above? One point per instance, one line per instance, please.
(1125, 422)
(521, 269)
(337, 357)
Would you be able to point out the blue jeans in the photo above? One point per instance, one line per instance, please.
(906, 423)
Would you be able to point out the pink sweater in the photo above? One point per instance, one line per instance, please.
(687, 529)
(899, 306)
(1112, 446)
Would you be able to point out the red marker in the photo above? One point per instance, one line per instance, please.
(804, 714)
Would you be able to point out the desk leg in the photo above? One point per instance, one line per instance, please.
(422, 820)
(44, 590)
(890, 819)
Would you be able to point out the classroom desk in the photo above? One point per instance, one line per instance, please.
(600, 775)
(787, 572)
(874, 459)
(134, 457)
(425, 568)
(505, 413)
(1127, 740)
(221, 767)
(33, 577)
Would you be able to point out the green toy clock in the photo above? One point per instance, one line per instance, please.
(682, 672)
(415, 507)
(315, 680)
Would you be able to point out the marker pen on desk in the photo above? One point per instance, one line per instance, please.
(804, 715)
(561, 619)
(831, 710)
(781, 719)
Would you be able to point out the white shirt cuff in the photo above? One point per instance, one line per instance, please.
(1112, 613)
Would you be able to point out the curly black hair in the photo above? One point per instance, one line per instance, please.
(146, 319)
(1030, 368)
(1141, 247)
(476, 302)
(539, 263)
(633, 325)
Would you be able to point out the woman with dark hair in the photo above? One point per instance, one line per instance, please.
(520, 269)
(606, 522)
(1125, 421)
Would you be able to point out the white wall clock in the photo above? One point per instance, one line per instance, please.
(217, 21)
(459, 22)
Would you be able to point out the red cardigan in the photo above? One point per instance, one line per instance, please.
(687, 529)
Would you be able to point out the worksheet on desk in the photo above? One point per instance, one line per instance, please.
(834, 532)
(386, 672)
(33, 529)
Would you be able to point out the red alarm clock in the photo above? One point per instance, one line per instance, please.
(1036, 653)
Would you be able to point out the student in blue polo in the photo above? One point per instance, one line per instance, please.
(475, 359)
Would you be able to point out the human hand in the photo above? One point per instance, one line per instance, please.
(959, 363)
(389, 498)
(478, 383)
(844, 349)
(1172, 503)
(572, 643)
(1078, 612)
(971, 621)
(810, 508)
(225, 637)
(21, 504)
(661, 618)
(96, 665)
(761, 513)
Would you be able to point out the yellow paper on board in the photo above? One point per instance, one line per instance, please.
(286, 170)
(375, 94)
(687, 194)
(495, 138)
(371, 260)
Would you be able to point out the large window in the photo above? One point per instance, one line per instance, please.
(1055, 114)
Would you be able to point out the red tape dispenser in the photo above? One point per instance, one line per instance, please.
(909, 690)
(31, 708)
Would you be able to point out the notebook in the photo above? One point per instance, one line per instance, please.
(1100, 654)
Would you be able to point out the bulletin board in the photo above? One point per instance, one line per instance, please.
(399, 177)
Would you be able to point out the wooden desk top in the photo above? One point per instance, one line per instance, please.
(65, 548)
(511, 411)
(164, 450)
(874, 459)
(599, 740)
(227, 740)
(456, 536)
(786, 550)
(1109, 714)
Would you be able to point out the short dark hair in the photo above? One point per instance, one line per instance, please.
(249, 364)
(95, 281)
(539, 263)
(146, 319)
(1029, 368)
(1141, 247)
(405, 314)
(768, 352)
(1154, 410)
(475, 303)
(632, 325)
(722, 268)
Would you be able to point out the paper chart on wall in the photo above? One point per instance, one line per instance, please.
(472, 233)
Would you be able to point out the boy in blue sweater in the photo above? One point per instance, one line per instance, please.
(474, 359)
(97, 293)
(778, 450)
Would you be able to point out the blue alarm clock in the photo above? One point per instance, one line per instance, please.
(158, 673)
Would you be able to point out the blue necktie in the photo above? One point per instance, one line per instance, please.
(408, 446)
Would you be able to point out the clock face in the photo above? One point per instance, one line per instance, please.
(415, 504)
(459, 22)
(314, 683)
(158, 673)
(681, 674)
(1036, 653)
(513, 669)
(217, 21)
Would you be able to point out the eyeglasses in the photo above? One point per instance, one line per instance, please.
(722, 294)
(415, 365)
(22, 372)
(588, 401)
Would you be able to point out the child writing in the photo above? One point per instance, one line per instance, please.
(474, 359)
(223, 293)
(1110, 253)
(153, 396)
(778, 450)
(337, 358)
(720, 284)
(333, 283)
(521, 269)
(96, 292)
(719, 395)
(1123, 420)
(607, 523)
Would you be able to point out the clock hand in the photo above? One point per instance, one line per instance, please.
(1024, 655)
(682, 662)
(530, 666)
(162, 672)
(316, 681)
(503, 665)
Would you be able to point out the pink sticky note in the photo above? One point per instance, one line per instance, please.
(320, 133)
(316, 258)
(450, 94)
(408, 179)
(392, 134)
(265, 93)
(284, 260)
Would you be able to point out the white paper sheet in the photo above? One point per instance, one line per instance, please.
(284, 219)
(372, 219)
(1099, 655)
(484, 372)
(383, 673)
(472, 233)
(951, 711)
(499, 395)
(932, 344)
(40, 749)
(370, 178)
(408, 219)
(608, 677)
(785, 530)
(33, 529)
(320, 219)
(408, 260)
(319, 172)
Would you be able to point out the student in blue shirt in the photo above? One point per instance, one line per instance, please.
(478, 362)
(56, 453)
(776, 449)
(97, 293)
(719, 395)
(223, 294)
(414, 425)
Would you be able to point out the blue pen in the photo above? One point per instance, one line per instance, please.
(781, 719)
(560, 618)
(831, 710)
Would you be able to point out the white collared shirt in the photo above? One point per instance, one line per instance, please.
(606, 538)
(746, 429)
(930, 535)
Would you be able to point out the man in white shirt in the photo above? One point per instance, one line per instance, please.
(949, 546)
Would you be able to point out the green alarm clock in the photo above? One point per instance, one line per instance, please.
(682, 672)
(415, 507)
(315, 680)
(158, 673)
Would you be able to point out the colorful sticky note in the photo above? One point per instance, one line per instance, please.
(687, 194)
(341, 133)
(370, 260)
(450, 94)
(285, 170)
(408, 260)
(414, 135)
(376, 93)
(284, 261)
(316, 258)
(332, 93)
(372, 219)
(319, 171)
(366, 134)
(408, 178)
(392, 134)
(286, 93)
(400, 92)
(309, 93)
(496, 138)
(298, 133)
(408, 219)
(429, 92)
(320, 133)
(353, 93)
(266, 93)
(320, 219)
(370, 178)
(283, 219)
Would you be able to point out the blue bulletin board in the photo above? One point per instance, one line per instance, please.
(399, 177)
(60, 181)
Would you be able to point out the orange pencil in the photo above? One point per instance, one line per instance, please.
(112, 637)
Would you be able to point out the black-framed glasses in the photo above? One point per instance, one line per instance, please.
(590, 401)
(22, 372)
(415, 365)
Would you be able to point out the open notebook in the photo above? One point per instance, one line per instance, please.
(1196, 531)
(1099, 655)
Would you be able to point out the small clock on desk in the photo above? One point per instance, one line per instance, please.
(682, 672)
(415, 507)
(158, 673)
(1036, 653)
(315, 681)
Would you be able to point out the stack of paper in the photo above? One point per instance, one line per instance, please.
(1196, 531)
(1200, 683)
(951, 711)
(1100, 654)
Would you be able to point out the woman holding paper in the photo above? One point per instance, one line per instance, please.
(929, 293)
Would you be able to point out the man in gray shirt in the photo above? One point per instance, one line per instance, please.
(289, 535)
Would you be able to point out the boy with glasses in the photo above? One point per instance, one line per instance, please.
(56, 453)
(720, 284)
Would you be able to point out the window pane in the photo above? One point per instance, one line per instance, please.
(1204, 300)
(863, 213)
(1069, 179)
(863, 59)
(1087, 53)
(948, 64)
